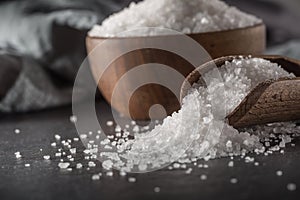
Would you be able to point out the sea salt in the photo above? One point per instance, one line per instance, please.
(79, 166)
(230, 164)
(185, 136)
(46, 157)
(18, 155)
(110, 173)
(109, 123)
(63, 165)
(17, 131)
(192, 16)
(131, 179)
(73, 119)
(95, 177)
(122, 173)
(233, 180)
(156, 189)
(91, 164)
(57, 137)
(279, 173)
(203, 177)
(291, 187)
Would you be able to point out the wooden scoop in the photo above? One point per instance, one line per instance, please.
(270, 101)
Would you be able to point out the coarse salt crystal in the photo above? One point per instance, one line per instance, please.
(17, 131)
(73, 151)
(291, 186)
(230, 164)
(279, 173)
(18, 155)
(46, 157)
(91, 164)
(63, 165)
(73, 119)
(131, 179)
(203, 177)
(95, 177)
(156, 189)
(233, 180)
(57, 137)
(109, 123)
(79, 166)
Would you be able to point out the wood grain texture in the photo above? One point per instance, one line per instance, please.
(270, 101)
(250, 40)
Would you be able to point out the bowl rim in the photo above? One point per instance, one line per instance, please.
(261, 24)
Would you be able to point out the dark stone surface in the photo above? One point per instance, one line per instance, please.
(44, 180)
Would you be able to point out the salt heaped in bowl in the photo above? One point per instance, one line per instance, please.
(199, 130)
(186, 16)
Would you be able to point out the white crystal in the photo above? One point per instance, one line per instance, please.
(63, 165)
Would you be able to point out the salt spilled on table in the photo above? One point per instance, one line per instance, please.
(184, 136)
(192, 16)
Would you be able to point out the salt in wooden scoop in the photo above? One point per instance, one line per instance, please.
(270, 101)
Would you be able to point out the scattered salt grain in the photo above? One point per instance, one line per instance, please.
(73, 151)
(110, 173)
(131, 179)
(109, 123)
(57, 137)
(73, 119)
(18, 155)
(91, 164)
(95, 177)
(189, 170)
(83, 136)
(230, 164)
(63, 165)
(203, 177)
(291, 186)
(118, 129)
(176, 165)
(46, 157)
(279, 173)
(233, 180)
(156, 189)
(122, 173)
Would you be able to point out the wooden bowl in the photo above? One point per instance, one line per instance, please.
(250, 40)
(270, 101)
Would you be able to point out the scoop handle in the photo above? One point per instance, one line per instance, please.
(270, 101)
